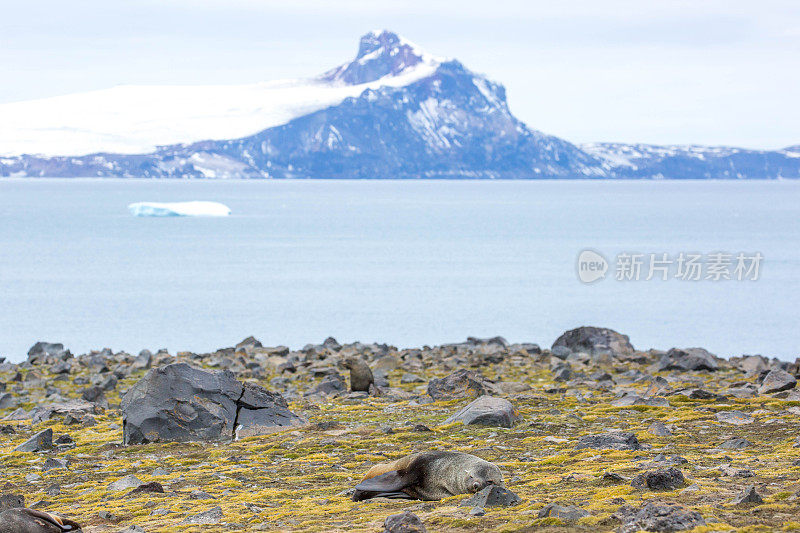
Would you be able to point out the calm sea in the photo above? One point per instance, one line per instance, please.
(403, 262)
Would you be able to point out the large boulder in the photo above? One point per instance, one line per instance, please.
(688, 359)
(486, 411)
(594, 341)
(179, 403)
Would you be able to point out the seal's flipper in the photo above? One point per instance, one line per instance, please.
(387, 485)
(54, 520)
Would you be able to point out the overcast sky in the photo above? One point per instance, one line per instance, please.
(701, 71)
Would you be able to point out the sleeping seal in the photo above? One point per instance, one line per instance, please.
(22, 520)
(428, 476)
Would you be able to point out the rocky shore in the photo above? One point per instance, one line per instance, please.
(590, 434)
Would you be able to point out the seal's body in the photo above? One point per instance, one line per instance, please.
(22, 520)
(428, 476)
(360, 374)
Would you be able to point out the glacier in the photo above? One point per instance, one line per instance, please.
(179, 209)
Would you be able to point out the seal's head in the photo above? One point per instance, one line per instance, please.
(480, 475)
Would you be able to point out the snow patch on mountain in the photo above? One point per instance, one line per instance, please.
(131, 119)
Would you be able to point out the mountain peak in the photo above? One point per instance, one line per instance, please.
(381, 53)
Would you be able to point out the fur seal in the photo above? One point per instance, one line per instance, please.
(428, 476)
(23, 520)
(360, 374)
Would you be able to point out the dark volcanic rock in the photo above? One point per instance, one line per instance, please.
(688, 359)
(492, 496)
(487, 411)
(594, 341)
(181, 403)
(613, 440)
(405, 522)
(776, 381)
(659, 517)
(565, 513)
(459, 384)
(661, 479)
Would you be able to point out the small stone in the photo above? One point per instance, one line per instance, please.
(132, 529)
(212, 516)
(106, 515)
(614, 440)
(735, 443)
(53, 463)
(128, 482)
(486, 411)
(477, 511)
(492, 496)
(152, 487)
(565, 513)
(661, 479)
(736, 418)
(658, 429)
(659, 517)
(748, 496)
(405, 522)
(42, 441)
(53, 490)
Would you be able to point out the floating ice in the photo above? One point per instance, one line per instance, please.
(179, 209)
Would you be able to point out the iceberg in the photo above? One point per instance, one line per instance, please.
(179, 209)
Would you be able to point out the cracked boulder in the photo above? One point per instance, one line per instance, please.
(180, 403)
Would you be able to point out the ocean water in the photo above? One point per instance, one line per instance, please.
(403, 262)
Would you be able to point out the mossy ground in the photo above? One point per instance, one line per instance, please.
(293, 480)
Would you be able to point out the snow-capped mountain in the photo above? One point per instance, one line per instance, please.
(393, 112)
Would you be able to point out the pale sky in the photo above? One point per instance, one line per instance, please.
(701, 71)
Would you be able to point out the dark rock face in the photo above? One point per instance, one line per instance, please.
(487, 411)
(181, 403)
(594, 341)
(459, 384)
(661, 479)
(658, 517)
(492, 496)
(405, 522)
(776, 381)
(614, 440)
(688, 359)
(565, 513)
